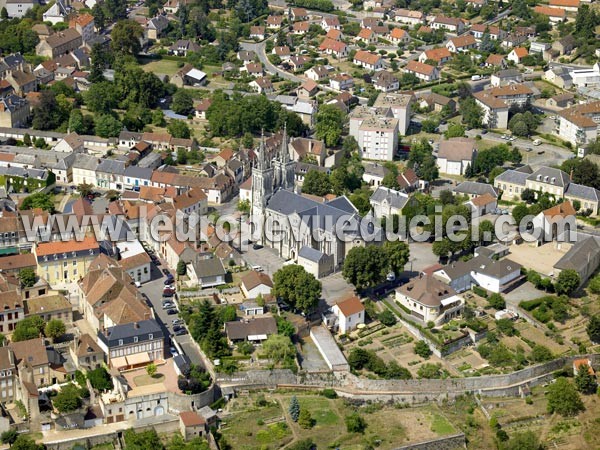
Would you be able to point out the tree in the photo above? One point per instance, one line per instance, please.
(355, 423)
(80, 124)
(296, 287)
(471, 112)
(365, 266)
(304, 444)
(540, 353)
(101, 97)
(422, 349)
(28, 328)
(125, 37)
(593, 328)
(179, 129)
(55, 329)
(9, 436)
(48, 114)
(563, 398)
(278, 347)
(429, 370)
(182, 102)
(68, 399)
(316, 183)
(329, 124)
(294, 409)
(24, 442)
(523, 440)
(142, 440)
(496, 301)
(108, 126)
(85, 189)
(151, 369)
(396, 254)
(4, 16)
(181, 268)
(441, 248)
(100, 379)
(455, 130)
(585, 382)
(519, 212)
(387, 318)
(27, 277)
(567, 282)
(305, 420)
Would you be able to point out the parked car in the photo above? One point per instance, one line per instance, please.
(257, 246)
(171, 311)
(180, 332)
(173, 351)
(166, 272)
(177, 322)
(167, 305)
(177, 327)
(168, 293)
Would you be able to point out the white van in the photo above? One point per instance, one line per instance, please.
(475, 77)
(537, 142)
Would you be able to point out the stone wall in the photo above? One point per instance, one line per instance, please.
(444, 443)
(409, 391)
(182, 402)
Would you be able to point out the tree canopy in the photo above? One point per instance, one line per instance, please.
(296, 287)
(563, 398)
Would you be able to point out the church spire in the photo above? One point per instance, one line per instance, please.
(284, 153)
(261, 152)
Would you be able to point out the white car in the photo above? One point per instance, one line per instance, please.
(173, 351)
(512, 138)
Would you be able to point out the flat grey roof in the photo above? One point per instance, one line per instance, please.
(329, 349)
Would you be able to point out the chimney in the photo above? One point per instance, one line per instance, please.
(136, 325)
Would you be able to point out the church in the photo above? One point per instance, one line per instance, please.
(302, 228)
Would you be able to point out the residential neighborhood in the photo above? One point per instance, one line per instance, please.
(299, 224)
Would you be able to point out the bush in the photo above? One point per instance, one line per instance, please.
(355, 423)
(387, 318)
(480, 291)
(496, 301)
(329, 393)
(422, 349)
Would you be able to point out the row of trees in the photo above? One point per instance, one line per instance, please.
(33, 326)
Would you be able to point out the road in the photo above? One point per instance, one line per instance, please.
(153, 290)
(259, 49)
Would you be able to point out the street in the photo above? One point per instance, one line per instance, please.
(153, 290)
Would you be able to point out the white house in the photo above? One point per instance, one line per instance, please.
(482, 204)
(368, 60)
(350, 313)
(430, 299)
(455, 155)
(255, 283)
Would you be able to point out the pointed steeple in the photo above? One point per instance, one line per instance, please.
(284, 153)
(261, 152)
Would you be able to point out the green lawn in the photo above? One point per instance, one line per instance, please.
(320, 409)
(242, 431)
(160, 66)
(439, 425)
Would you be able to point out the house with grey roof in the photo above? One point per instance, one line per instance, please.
(135, 176)
(475, 189)
(490, 274)
(315, 262)
(84, 169)
(386, 202)
(207, 273)
(583, 257)
(555, 182)
(374, 174)
(109, 174)
(132, 345)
